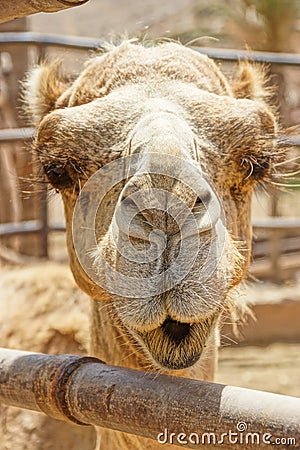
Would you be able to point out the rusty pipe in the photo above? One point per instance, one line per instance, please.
(13, 9)
(84, 390)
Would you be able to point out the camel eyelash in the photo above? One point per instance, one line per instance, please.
(58, 175)
(257, 169)
(64, 174)
(260, 170)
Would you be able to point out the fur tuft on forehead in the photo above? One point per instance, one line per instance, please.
(47, 87)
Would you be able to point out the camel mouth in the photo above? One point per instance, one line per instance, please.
(175, 345)
(175, 330)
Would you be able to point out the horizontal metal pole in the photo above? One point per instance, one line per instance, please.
(25, 227)
(85, 43)
(50, 40)
(86, 391)
(290, 140)
(16, 134)
(277, 224)
(226, 54)
(32, 226)
(288, 246)
(57, 227)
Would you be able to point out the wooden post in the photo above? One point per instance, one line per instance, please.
(84, 390)
(12, 159)
(275, 239)
(16, 162)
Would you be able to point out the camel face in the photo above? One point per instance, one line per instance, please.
(175, 156)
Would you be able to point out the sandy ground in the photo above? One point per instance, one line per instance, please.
(273, 368)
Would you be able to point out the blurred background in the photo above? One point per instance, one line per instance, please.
(266, 355)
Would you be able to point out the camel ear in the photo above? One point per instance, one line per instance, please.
(250, 82)
(42, 88)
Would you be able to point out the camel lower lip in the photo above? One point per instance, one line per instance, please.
(174, 364)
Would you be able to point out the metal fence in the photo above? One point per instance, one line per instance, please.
(283, 234)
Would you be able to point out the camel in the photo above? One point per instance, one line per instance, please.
(173, 113)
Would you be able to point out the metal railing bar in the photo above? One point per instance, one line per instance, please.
(16, 134)
(277, 223)
(28, 226)
(86, 43)
(57, 227)
(84, 390)
(54, 40)
(33, 226)
(290, 140)
(24, 227)
(226, 54)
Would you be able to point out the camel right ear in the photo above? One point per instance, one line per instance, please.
(43, 86)
(250, 82)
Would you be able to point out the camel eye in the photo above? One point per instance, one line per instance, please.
(257, 169)
(58, 175)
(260, 169)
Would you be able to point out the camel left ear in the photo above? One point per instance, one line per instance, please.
(42, 88)
(250, 82)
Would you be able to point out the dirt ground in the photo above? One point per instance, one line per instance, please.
(273, 368)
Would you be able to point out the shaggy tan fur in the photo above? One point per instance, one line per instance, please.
(42, 88)
(170, 100)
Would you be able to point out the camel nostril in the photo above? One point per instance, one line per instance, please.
(176, 331)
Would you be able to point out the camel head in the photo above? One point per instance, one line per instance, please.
(156, 156)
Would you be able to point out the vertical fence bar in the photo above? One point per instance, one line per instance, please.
(274, 239)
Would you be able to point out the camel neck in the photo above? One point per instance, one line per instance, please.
(114, 346)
